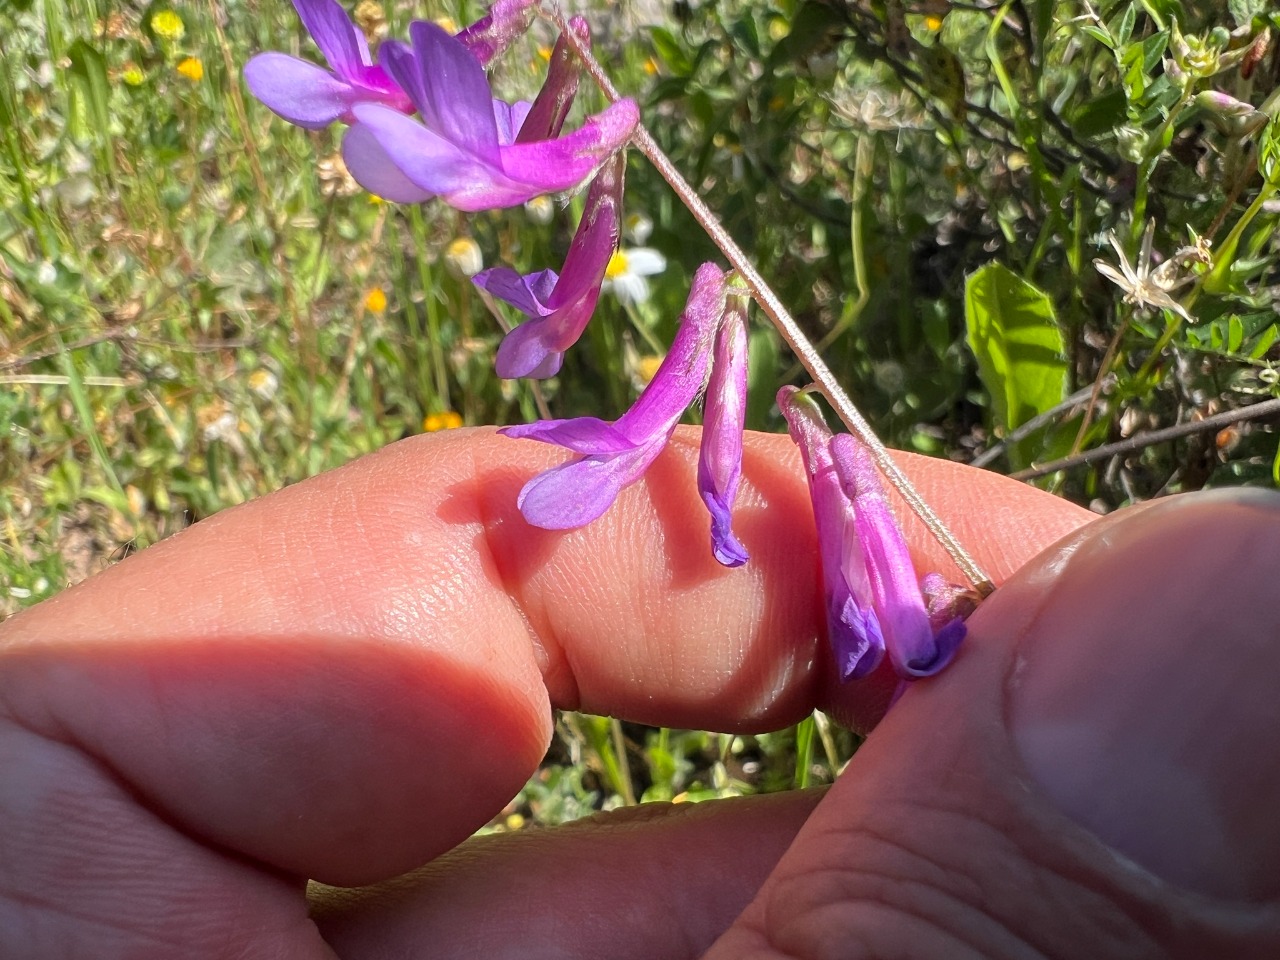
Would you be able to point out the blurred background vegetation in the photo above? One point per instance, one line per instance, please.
(198, 305)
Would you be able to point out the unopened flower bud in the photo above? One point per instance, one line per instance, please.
(1231, 117)
(463, 258)
(540, 210)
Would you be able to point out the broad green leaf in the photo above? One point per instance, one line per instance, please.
(1013, 333)
(1243, 11)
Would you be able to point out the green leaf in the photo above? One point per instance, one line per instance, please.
(671, 51)
(1243, 11)
(1013, 333)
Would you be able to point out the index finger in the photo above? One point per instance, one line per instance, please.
(277, 667)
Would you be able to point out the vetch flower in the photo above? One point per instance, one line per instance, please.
(627, 270)
(617, 454)
(559, 305)
(467, 148)
(874, 601)
(852, 628)
(914, 648)
(720, 455)
(311, 96)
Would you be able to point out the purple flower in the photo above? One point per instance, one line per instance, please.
(494, 32)
(559, 306)
(720, 455)
(915, 650)
(852, 627)
(312, 96)
(617, 454)
(874, 601)
(465, 150)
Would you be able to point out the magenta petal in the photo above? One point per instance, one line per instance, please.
(528, 293)
(551, 108)
(429, 161)
(300, 92)
(576, 493)
(853, 630)
(524, 353)
(588, 435)
(372, 168)
(720, 454)
(457, 103)
(553, 166)
(493, 33)
(340, 40)
(684, 369)
(895, 591)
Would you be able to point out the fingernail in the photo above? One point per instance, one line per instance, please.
(1146, 699)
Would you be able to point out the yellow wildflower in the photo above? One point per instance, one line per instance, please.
(447, 24)
(168, 25)
(449, 420)
(132, 75)
(375, 301)
(192, 69)
(933, 22)
(650, 66)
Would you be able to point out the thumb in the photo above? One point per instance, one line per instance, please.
(1095, 776)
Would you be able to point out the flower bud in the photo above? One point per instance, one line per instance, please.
(1231, 117)
(463, 258)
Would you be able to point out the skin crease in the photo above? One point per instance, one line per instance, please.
(343, 680)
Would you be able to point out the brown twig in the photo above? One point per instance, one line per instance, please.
(1150, 438)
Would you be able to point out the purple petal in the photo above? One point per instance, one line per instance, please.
(588, 435)
(684, 369)
(576, 493)
(596, 238)
(427, 160)
(553, 166)
(720, 454)
(493, 33)
(856, 640)
(509, 117)
(524, 353)
(456, 101)
(341, 41)
(373, 168)
(853, 631)
(551, 108)
(300, 92)
(528, 293)
(895, 591)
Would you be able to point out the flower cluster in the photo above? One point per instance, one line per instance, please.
(423, 123)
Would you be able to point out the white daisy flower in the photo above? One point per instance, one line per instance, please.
(626, 272)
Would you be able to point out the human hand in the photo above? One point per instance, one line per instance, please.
(343, 680)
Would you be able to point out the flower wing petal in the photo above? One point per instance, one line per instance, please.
(426, 159)
(340, 40)
(586, 435)
(373, 168)
(576, 493)
(528, 293)
(457, 101)
(302, 93)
